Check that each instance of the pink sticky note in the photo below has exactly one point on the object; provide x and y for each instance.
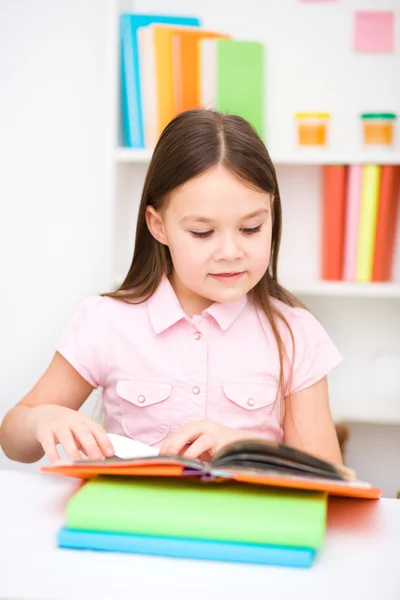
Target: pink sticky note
(374, 31)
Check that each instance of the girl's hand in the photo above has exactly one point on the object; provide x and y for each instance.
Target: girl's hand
(201, 439)
(53, 424)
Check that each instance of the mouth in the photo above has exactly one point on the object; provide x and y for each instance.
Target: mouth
(227, 277)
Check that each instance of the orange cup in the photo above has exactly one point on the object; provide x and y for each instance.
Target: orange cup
(312, 129)
(378, 129)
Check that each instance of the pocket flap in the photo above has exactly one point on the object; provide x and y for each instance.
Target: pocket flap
(251, 394)
(143, 392)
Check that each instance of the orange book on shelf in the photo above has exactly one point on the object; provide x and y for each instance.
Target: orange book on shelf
(387, 218)
(253, 461)
(334, 183)
(186, 66)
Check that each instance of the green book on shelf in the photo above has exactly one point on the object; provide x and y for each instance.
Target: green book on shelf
(216, 511)
(232, 79)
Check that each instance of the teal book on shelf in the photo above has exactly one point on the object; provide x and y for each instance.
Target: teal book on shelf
(232, 79)
(131, 105)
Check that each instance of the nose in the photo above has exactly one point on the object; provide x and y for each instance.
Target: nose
(229, 249)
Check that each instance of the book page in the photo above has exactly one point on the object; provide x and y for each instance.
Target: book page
(125, 447)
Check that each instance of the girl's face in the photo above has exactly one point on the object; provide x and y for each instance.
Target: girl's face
(218, 231)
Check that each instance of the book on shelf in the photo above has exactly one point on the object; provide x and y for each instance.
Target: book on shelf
(334, 185)
(386, 223)
(252, 461)
(359, 222)
(368, 222)
(157, 83)
(186, 66)
(352, 210)
(131, 100)
(232, 79)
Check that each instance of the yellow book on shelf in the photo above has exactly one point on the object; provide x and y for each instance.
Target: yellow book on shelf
(368, 222)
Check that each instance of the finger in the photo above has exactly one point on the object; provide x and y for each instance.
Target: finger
(176, 442)
(50, 448)
(199, 446)
(102, 439)
(86, 439)
(67, 441)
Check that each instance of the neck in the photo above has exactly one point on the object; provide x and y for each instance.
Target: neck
(191, 303)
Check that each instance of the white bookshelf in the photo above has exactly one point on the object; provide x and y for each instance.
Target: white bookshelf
(339, 289)
(362, 319)
(301, 157)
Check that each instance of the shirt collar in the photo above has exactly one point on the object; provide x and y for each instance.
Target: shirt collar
(226, 313)
(165, 310)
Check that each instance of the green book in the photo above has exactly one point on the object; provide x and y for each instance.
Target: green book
(214, 511)
(232, 79)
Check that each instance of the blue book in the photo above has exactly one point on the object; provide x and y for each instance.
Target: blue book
(186, 548)
(130, 71)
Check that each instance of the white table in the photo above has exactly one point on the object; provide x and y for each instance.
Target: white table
(360, 558)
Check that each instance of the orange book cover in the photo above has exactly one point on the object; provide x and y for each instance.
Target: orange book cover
(186, 66)
(386, 226)
(257, 462)
(334, 182)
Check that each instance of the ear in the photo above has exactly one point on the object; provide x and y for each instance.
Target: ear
(155, 224)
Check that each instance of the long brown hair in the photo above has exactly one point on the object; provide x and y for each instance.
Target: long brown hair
(193, 142)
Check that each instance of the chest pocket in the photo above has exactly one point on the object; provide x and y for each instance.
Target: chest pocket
(249, 404)
(145, 407)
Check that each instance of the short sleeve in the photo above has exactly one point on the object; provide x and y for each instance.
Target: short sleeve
(82, 342)
(315, 355)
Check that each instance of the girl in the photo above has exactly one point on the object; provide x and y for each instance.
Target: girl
(201, 345)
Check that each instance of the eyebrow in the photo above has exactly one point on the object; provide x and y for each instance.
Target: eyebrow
(199, 219)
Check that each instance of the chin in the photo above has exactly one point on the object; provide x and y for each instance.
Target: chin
(229, 294)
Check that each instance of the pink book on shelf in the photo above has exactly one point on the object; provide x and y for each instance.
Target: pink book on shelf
(353, 197)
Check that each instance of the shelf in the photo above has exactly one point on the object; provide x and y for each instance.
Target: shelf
(346, 290)
(133, 155)
(335, 289)
(307, 157)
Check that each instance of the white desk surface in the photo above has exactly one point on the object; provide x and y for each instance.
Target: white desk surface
(360, 558)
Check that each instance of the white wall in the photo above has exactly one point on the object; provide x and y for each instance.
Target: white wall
(55, 176)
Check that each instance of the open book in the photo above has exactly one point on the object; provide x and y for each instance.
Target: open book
(253, 461)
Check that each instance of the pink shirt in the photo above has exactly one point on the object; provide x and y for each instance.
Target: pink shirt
(160, 369)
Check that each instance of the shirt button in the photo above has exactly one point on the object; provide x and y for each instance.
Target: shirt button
(251, 402)
(141, 399)
(196, 390)
(197, 335)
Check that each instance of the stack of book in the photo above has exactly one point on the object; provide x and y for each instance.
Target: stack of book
(170, 64)
(178, 518)
(359, 222)
(255, 502)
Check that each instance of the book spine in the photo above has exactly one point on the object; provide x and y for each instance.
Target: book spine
(352, 218)
(368, 222)
(127, 81)
(386, 225)
(333, 214)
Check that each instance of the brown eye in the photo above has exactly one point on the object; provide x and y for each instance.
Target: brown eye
(250, 230)
(201, 234)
